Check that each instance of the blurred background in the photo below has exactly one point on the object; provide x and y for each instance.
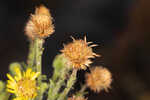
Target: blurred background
(120, 27)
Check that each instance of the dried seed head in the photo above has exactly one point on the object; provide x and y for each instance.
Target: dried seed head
(78, 53)
(40, 24)
(100, 78)
(77, 98)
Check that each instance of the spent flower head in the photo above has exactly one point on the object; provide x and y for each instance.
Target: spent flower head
(40, 24)
(79, 53)
(100, 78)
(23, 85)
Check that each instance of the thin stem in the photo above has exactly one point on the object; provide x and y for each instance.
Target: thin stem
(39, 52)
(7, 97)
(59, 84)
(38, 57)
(31, 56)
(70, 83)
(83, 88)
(50, 91)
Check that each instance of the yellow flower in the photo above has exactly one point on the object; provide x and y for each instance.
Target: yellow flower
(23, 85)
(40, 24)
(79, 53)
(100, 78)
(77, 98)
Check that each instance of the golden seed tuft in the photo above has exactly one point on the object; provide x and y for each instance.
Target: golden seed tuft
(79, 53)
(40, 24)
(100, 78)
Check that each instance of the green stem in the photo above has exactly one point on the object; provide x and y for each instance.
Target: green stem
(83, 88)
(82, 91)
(59, 84)
(31, 56)
(39, 52)
(50, 91)
(5, 96)
(70, 83)
(38, 57)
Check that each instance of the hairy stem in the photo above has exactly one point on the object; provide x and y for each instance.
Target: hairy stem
(83, 88)
(59, 84)
(31, 56)
(38, 57)
(70, 83)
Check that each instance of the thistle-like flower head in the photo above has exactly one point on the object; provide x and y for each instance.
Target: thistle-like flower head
(79, 53)
(40, 24)
(23, 85)
(100, 78)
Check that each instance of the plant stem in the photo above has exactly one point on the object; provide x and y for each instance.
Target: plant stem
(70, 83)
(83, 88)
(39, 52)
(31, 56)
(50, 91)
(38, 57)
(59, 84)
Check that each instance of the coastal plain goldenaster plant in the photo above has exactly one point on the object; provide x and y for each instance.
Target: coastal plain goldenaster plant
(26, 80)
(23, 84)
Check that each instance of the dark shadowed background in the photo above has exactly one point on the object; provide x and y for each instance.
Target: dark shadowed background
(120, 27)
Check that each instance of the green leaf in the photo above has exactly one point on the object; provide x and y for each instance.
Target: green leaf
(14, 65)
(43, 87)
(2, 86)
(59, 62)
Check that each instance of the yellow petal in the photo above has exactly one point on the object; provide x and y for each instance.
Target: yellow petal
(18, 73)
(18, 98)
(9, 86)
(35, 76)
(28, 72)
(11, 91)
(10, 77)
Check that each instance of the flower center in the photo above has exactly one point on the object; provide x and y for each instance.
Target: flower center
(27, 88)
